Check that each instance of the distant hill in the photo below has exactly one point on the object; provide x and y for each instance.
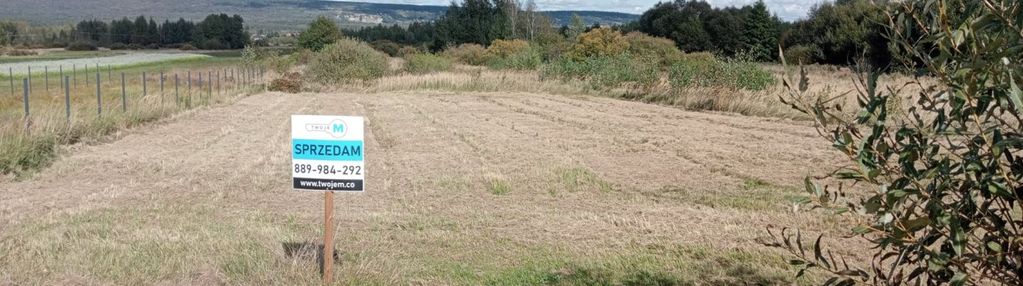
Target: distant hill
(268, 15)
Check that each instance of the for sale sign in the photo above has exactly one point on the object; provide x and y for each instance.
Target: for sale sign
(327, 153)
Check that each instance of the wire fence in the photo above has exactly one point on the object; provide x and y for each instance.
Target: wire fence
(58, 97)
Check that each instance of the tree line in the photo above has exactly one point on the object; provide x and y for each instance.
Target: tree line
(840, 33)
(216, 31)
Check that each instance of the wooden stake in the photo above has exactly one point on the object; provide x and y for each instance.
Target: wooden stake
(328, 237)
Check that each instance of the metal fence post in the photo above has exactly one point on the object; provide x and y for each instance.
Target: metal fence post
(86, 75)
(144, 90)
(209, 85)
(46, 78)
(161, 86)
(99, 98)
(67, 101)
(29, 78)
(124, 95)
(74, 75)
(62, 84)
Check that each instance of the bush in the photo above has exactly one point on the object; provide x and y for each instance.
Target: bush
(599, 42)
(470, 54)
(187, 47)
(941, 185)
(387, 47)
(505, 48)
(348, 60)
(605, 71)
(699, 56)
(426, 63)
(153, 46)
(134, 47)
(118, 46)
(525, 59)
(82, 46)
(730, 74)
(660, 50)
(552, 46)
(288, 82)
(408, 51)
(20, 53)
(800, 54)
(304, 56)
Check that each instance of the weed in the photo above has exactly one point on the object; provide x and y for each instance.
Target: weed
(578, 179)
(498, 187)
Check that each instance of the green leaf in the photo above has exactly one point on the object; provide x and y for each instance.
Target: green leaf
(994, 246)
(959, 278)
(1015, 94)
(861, 229)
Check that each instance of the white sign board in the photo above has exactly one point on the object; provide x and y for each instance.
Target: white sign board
(327, 153)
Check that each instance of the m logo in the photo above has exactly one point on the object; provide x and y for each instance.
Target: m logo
(336, 128)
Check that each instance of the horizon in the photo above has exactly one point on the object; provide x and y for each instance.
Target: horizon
(787, 10)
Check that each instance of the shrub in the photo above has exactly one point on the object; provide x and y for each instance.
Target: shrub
(942, 185)
(729, 74)
(605, 71)
(387, 47)
(470, 54)
(699, 56)
(599, 42)
(321, 33)
(118, 46)
(525, 59)
(426, 63)
(303, 56)
(552, 46)
(20, 53)
(288, 82)
(187, 47)
(134, 47)
(800, 54)
(348, 60)
(153, 46)
(82, 46)
(660, 50)
(408, 51)
(505, 48)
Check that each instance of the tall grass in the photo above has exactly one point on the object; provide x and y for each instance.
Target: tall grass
(426, 63)
(604, 72)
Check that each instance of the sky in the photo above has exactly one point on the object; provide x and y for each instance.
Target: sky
(788, 10)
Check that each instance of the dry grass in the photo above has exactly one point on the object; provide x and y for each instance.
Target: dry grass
(30, 142)
(470, 188)
(825, 82)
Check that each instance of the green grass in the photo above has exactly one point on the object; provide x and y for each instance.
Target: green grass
(581, 179)
(498, 187)
(58, 55)
(752, 195)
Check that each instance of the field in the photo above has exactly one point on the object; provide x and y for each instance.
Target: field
(464, 187)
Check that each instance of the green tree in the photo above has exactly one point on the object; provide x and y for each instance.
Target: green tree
(220, 31)
(8, 33)
(321, 32)
(575, 28)
(760, 33)
(945, 175)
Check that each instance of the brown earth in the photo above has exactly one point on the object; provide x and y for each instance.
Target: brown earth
(462, 188)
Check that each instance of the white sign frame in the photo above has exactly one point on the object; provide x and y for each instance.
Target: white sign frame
(328, 153)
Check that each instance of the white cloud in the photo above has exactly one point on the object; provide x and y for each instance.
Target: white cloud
(789, 10)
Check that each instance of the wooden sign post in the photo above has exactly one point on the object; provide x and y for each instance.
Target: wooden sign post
(328, 237)
(327, 156)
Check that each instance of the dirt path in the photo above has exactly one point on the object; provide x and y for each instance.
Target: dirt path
(589, 179)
